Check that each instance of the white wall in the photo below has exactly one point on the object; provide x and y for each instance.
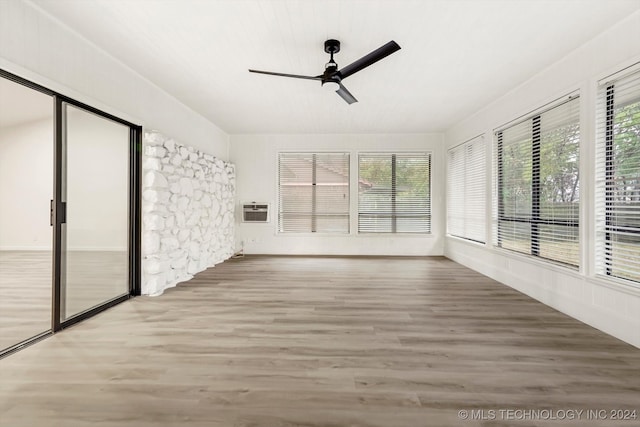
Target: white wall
(39, 48)
(26, 185)
(613, 308)
(256, 160)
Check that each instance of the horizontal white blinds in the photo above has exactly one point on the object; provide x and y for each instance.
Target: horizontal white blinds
(618, 178)
(538, 184)
(313, 193)
(466, 190)
(394, 193)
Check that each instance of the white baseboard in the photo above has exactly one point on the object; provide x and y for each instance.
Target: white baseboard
(25, 248)
(97, 249)
(78, 248)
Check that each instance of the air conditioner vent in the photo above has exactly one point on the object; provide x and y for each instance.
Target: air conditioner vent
(255, 212)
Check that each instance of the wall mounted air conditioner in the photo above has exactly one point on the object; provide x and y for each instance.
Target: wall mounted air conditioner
(255, 212)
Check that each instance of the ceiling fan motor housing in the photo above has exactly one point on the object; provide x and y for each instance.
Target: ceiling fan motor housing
(330, 75)
(332, 46)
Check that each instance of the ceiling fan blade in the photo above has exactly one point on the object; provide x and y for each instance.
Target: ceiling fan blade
(346, 95)
(369, 59)
(295, 76)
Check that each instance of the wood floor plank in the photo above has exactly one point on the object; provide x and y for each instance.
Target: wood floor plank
(322, 342)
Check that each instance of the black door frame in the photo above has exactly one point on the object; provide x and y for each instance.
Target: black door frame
(58, 210)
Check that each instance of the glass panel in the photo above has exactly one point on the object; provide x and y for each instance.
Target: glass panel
(623, 256)
(516, 172)
(380, 223)
(26, 188)
(394, 193)
(95, 258)
(375, 193)
(622, 251)
(515, 236)
(332, 223)
(332, 199)
(559, 243)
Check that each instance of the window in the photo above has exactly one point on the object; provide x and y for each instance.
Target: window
(466, 190)
(313, 193)
(538, 184)
(394, 193)
(618, 178)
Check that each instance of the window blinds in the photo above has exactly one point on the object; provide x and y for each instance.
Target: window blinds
(618, 178)
(313, 193)
(394, 193)
(466, 190)
(538, 184)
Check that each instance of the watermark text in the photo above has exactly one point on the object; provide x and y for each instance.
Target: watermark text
(516, 414)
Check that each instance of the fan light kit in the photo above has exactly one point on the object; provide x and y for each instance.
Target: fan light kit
(332, 78)
(333, 86)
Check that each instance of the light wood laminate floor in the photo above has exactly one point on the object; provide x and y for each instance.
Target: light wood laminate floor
(25, 295)
(323, 342)
(92, 277)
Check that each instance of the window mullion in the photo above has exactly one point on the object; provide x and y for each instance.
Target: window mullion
(314, 221)
(393, 194)
(500, 189)
(535, 187)
(609, 172)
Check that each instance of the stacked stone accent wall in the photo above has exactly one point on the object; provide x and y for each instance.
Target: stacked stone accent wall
(188, 212)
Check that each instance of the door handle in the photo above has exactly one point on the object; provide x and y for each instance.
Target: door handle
(62, 212)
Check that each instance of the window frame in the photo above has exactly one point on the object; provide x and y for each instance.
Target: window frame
(536, 219)
(394, 218)
(463, 147)
(314, 218)
(606, 208)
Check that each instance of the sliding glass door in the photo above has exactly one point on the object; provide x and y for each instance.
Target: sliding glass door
(26, 190)
(95, 193)
(69, 211)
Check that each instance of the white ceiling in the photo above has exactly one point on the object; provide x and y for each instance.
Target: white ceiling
(457, 55)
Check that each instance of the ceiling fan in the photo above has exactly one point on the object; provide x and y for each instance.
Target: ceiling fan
(332, 77)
